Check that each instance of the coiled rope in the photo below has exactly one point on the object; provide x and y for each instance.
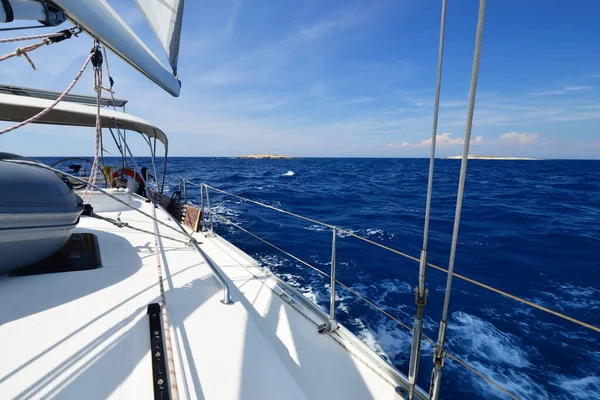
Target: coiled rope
(372, 304)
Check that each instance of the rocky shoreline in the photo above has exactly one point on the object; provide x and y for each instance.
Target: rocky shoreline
(265, 156)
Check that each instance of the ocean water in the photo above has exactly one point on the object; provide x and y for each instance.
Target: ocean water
(531, 228)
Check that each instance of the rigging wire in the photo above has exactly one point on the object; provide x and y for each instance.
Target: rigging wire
(439, 353)
(421, 292)
(120, 224)
(19, 28)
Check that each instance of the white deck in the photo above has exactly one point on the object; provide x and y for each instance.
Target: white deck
(85, 335)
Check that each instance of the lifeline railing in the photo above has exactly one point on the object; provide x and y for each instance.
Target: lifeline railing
(332, 324)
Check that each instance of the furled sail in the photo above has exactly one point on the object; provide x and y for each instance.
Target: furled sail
(165, 16)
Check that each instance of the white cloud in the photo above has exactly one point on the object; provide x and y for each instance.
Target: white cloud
(443, 140)
(360, 100)
(345, 19)
(576, 88)
(519, 138)
(564, 90)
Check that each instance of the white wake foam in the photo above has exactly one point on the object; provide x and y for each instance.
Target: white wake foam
(498, 355)
(587, 388)
(289, 173)
(484, 339)
(388, 340)
(316, 228)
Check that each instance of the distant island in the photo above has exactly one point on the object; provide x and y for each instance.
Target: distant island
(266, 155)
(473, 157)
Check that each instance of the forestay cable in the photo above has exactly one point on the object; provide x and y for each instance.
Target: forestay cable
(421, 292)
(438, 356)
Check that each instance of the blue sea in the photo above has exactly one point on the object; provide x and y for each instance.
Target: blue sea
(530, 228)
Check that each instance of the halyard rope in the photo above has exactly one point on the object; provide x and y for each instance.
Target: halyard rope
(165, 315)
(375, 306)
(22, 51)
(47, 40)
(392, 250)
(97, 62)
(23, 38)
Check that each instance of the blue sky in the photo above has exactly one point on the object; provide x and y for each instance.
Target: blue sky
(348, 78)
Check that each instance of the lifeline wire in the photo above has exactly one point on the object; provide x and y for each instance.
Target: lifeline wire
(372, 304)
(408, 256)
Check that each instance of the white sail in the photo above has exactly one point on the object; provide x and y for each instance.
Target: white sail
(165, 16)
(100, 20)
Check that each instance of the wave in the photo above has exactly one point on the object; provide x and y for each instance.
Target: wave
(289, 173)
(571, 296)
(316, 228)
(483, 338)
(587, 388)
(498, 355)
(387, 339)
(374, 232)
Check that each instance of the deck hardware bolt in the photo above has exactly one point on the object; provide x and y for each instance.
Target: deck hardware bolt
(160, 381)
(157, 354)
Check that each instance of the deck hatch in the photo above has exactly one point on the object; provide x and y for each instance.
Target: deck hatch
(80, 253)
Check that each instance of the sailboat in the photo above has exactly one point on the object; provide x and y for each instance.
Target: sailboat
(144, 300)
(133, 294)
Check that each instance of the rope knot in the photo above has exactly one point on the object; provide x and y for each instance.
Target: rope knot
(19, 51)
